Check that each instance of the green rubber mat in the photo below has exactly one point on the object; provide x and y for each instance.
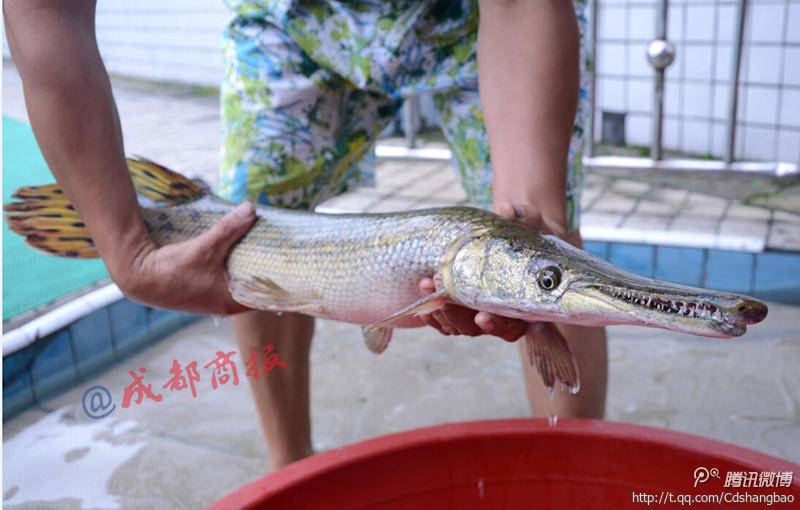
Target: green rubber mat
(32, 279)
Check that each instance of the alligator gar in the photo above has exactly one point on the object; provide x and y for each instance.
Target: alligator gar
(366, 268)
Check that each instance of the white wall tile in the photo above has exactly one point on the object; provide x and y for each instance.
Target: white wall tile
(675, 22)
(745, 62)
(719, 139)
(742, 103)
(698, 62)
(789, 146)
(791, 65)
(598, 126)
(790, 107)
(637, 61)
(671, 133)
(611, 59)
(726, 21)
(763, 64)
(793, 33)
(761, 105)
(611, 22)
(672, 97)
(177, 42)
(638, 130)
(760, 143)
(723, 62)
(740, 149)
(612, 95)
(699, 23)
(764, 22)
(696, 99)
(695, 137)
(640, 96)
(721, 99)
(642, 23)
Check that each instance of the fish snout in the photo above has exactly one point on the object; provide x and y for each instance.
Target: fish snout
(750, 311)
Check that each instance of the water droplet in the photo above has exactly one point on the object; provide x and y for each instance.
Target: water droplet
(552, 418)
(279, 314)
(480, 487)
(216, 320)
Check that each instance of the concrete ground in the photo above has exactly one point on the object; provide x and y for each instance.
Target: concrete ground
(185, 452)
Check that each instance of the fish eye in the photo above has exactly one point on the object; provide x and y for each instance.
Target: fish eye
(549, 278)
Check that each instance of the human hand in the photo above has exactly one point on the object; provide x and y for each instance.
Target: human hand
(190, 276)
(459, 320)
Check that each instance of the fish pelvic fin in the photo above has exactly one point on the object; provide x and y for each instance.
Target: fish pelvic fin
(552, 356)
(425, 305)
(163, 185)
(49, 223)
(377, 340)
(265, 294)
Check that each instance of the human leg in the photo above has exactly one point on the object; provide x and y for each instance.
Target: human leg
(295, 134)
(282, 397)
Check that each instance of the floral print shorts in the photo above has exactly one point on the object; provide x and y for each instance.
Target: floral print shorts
(309, 85)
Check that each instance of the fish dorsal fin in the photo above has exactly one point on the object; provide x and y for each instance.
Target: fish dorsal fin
(552, 356)
(377, 340)
(49, 222)
(265, 294)
(425, 305)
(161, 184)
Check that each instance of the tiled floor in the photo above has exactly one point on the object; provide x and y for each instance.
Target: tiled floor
(614, 208)
(185, 452)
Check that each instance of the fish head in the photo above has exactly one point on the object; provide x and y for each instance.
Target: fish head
(535, 277)
(504, 270)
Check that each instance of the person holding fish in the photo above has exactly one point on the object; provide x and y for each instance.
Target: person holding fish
(308, 86)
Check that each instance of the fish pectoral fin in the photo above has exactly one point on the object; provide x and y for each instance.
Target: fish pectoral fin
(425, 305)
(377, 340)
(265, 294)
(552, 356)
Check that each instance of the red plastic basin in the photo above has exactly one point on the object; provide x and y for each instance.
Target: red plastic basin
(525, 464)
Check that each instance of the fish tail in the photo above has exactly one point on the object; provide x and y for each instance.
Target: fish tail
(50, 224)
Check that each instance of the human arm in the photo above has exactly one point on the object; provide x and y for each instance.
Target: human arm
(528, 77)
(528, 80)
(73, 115)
